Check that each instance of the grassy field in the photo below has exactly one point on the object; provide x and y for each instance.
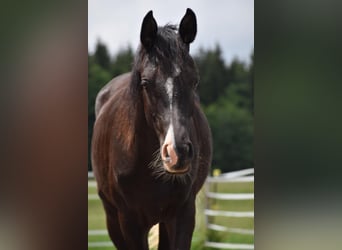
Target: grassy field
(96, 217)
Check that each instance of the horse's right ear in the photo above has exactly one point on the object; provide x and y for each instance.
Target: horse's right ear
(148, 31)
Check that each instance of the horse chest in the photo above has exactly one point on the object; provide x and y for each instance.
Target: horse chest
(153, 196)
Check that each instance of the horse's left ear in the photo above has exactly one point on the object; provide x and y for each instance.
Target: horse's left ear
(188, 27)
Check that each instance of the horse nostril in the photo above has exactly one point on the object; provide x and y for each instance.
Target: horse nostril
(186, 150)
(190, 150)
(165, 154)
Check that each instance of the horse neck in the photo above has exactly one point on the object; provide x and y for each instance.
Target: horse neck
(135, 131)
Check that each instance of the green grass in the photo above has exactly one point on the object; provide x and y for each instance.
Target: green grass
(96, 217)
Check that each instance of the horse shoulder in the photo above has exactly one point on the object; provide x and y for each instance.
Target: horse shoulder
(113, 143)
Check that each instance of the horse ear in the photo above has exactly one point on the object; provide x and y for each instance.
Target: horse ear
(149, 29)
(188, 27)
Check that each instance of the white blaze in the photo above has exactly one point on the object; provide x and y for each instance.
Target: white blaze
(170, 135)
(177, 71)
(168, 153)
(169, 89)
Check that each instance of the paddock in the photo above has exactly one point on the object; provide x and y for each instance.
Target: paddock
(224, 218)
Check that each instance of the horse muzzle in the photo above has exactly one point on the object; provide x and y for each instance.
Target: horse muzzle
(176, 160)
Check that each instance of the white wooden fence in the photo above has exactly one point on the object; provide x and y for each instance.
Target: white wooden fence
(246, 175)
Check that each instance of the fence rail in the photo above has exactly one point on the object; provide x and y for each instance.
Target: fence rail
(225, 196)
(228, 213)
(228, 245)
(221, 179)
(231, 230)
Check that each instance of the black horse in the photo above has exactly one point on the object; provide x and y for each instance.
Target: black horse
(151, 148)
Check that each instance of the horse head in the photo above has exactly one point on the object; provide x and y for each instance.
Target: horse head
(166, 78)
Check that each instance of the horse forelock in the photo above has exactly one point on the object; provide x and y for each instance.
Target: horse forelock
(167, 51)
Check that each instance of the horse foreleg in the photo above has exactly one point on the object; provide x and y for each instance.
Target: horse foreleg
(135, 235)
(113, 226)
(164, 238)
(176, 233)
(185, 224)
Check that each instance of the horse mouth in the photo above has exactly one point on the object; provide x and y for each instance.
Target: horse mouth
(176, 169)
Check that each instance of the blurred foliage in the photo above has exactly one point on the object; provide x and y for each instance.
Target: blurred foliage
(232, 131)
(226, 93)
(101, 55)
(213, 74)
(122, 62)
